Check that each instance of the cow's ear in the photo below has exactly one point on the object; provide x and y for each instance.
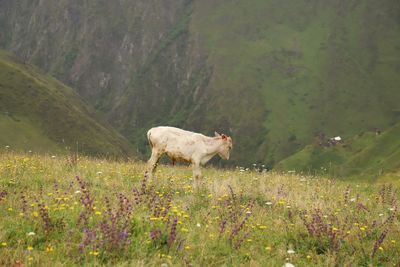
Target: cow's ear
(217, 134)
(224, 136)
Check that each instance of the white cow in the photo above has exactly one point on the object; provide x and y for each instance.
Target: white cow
(181, 145)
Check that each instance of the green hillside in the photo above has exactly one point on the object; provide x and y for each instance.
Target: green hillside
(39, 113)
(285, 71)
(272, 74)
(365, 156)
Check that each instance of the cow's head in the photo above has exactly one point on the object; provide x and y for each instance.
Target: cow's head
(226, 146)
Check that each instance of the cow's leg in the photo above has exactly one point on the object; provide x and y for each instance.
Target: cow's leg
(152, 162)
(196, 173)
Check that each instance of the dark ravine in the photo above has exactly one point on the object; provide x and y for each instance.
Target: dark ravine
(272, 74)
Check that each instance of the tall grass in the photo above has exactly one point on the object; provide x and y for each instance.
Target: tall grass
(89, 211)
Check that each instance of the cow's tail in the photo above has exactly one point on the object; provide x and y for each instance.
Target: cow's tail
(149, 138)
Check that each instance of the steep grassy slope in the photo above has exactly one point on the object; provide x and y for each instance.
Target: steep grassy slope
(273, 74)
(39, 113)
(287, 70)
(132, 60)
(364, 156)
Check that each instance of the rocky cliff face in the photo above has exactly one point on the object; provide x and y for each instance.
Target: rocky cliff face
(135, 61)
(273, 74)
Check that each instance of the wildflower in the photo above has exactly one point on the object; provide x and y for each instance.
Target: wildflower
(53, 157)
(393, 241)
(187, 247)
(49, 249)
(98, 213)
(268, 203)
(30, 259)
(290, 251)
(288, 264)
(4, 244)
(268, 248)
(30, 248)
(380, 214)
(308, 257)
(262, 227)
(31, 233)
(35, 214)
(10, 209)
(362, 228)
(198, 225)
(77, 192)
(381, 248)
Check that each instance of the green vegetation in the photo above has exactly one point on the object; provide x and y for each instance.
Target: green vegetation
(366, 156)
(40, 114)
(59, 211)
(272, 74)
(20, 133)
(284, 69)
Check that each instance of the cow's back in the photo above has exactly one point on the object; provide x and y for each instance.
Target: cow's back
(174, 140)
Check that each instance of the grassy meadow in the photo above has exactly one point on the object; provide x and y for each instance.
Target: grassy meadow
(69, 210)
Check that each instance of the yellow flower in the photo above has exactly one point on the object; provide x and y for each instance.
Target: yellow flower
(35, 214)
(4, 244)
(262, 227)
(98, 213)
(10, 209)
(268, 248)
(380, 248)
(308, 257)
(187, 247)
(30, 248)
